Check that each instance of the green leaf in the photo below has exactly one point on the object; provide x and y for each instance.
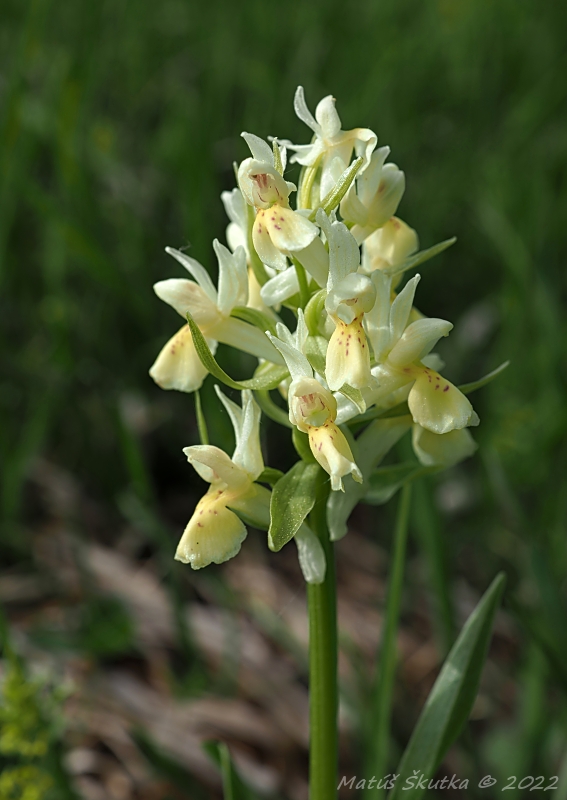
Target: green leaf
(254, 317)
(270, 475)
(304, 293)
(271, 410)
(315, 350)
(386, 481)
(313, 311)
(467, 388)
(354, 395)
(277, 157)
(421, 257)
(201, 421)
(450, 701)
(270, 376)
(293, 498)
(334, 197)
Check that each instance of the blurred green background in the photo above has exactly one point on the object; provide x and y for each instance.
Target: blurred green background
(119, 124)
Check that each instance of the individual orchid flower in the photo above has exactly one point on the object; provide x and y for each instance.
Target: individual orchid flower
(331, 147)
(435, 403)
(313, 408)
(178, 365)
(374, 196)
(278, 231)
(389, 246)
(236, 208)
(215, 532)
(349, 295)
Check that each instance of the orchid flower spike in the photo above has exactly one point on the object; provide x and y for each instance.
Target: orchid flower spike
(349, 295)
(178, 365)
(278, 231)
(313, 409)
(435, 403)
(215, 532)
(374, 197)
(331, 147)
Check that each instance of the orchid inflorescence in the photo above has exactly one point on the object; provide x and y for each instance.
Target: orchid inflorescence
(357, 371)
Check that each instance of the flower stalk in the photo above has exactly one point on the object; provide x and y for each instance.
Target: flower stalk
(323, 687)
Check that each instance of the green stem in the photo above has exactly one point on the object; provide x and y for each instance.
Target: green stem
(378, 751)
(323, 694)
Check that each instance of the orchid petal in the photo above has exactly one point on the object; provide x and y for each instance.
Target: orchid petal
(401, 308)
(348, 358)
(301, 110)
(281, 287)
(344, 255)
(437, 405)
(184, 295)
(443, 450)
(288, 230)
(178, 366)
(331, 449)
(327, 117)
(217, 464)
(246, 424)
(417, 340)
(297, 363)
(368, 182)
(233, 278)
(214, 534)
(261, 150)
(266, 249)
(196, 270)
(315, 259)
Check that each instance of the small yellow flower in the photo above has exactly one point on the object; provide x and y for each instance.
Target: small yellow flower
(349, 295)
(435, 403)
(178, 366)
(278, 231)
(331, 147)
(313, 409)
(215, 532)
(331, 449)
(374, 197)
